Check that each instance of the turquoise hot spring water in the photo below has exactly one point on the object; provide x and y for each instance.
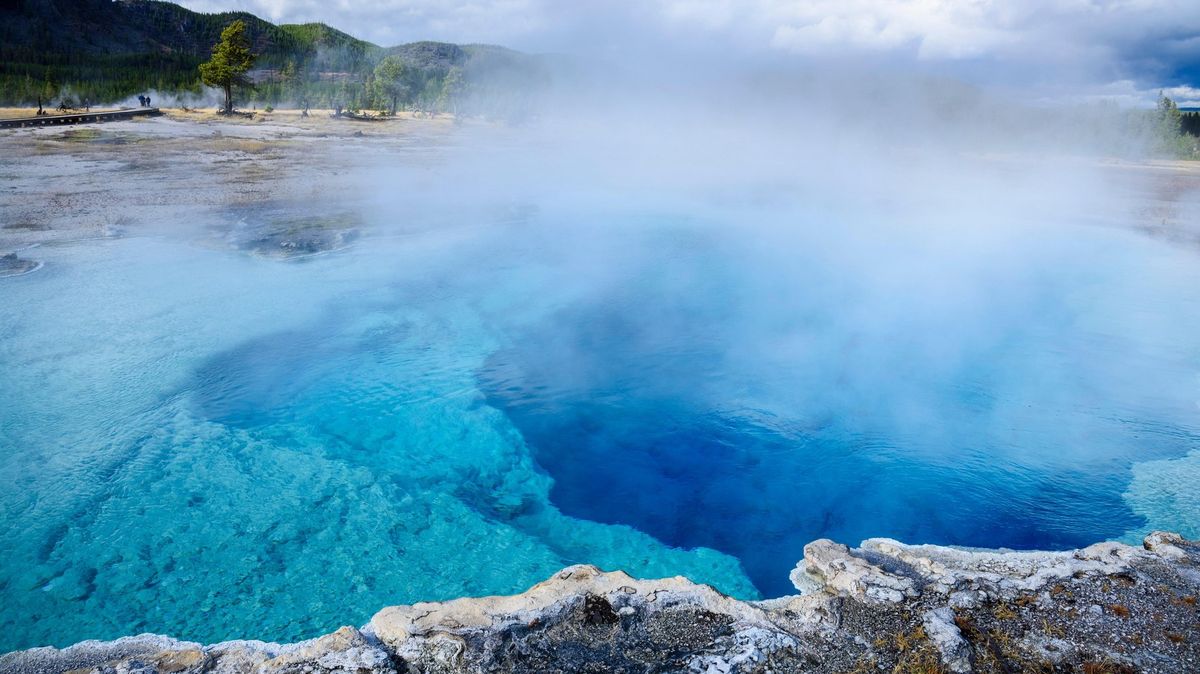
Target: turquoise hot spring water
(210, 444)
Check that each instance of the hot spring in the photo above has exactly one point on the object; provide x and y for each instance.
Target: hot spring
(670, 379)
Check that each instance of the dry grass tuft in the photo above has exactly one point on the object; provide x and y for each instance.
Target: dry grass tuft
(1053, 630)
(906, 641)
(923, 661)
(865, 665)
(1003, 612)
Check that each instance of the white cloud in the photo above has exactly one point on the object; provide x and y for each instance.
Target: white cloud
(1125, 93)
(1185, 97)
(1101, 40)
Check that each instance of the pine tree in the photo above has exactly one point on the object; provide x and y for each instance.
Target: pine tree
(392, 80)
(230, 62)
(1168, 115)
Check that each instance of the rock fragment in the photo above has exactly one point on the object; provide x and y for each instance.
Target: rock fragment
(944, 633)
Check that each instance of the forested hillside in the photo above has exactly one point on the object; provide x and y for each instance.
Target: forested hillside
(109, 50)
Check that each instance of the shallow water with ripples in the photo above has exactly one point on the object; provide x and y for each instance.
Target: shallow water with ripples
(208, 444)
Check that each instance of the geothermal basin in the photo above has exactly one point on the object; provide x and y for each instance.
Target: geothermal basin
(266, 380)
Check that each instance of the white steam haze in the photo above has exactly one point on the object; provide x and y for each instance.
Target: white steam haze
(930, 190)
(922, 198)
(910, 269)
(894, 228)
(1092, 47)
(918, 221)
(936, 180)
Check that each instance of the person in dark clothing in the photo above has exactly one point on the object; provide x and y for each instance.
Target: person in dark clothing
(141, 100)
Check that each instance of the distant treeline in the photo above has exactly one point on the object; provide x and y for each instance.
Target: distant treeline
(424, 75)
(104, 52)
(1189, 123)
(99, 79)
(1175, 132)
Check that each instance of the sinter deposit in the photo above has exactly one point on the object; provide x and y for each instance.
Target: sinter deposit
(885, 606)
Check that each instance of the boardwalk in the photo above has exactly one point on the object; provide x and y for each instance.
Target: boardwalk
(79, 118)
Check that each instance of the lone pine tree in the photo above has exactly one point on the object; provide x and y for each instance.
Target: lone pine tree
(231, 59)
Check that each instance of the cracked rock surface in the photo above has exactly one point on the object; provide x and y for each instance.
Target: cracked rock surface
(884, 606)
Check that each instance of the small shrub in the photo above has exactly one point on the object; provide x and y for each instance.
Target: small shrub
(269, 109)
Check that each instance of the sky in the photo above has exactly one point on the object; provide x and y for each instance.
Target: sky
(1126, 50)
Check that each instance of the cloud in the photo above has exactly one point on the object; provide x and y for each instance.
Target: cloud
(1125, 93)
(1096, 38)
(1187, 97)
(1154, 42)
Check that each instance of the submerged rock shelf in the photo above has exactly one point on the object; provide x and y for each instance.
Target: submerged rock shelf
(885, 606)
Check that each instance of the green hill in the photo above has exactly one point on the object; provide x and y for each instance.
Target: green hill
(109, 50)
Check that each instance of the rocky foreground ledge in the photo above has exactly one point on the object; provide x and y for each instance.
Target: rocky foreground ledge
(885, 606)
